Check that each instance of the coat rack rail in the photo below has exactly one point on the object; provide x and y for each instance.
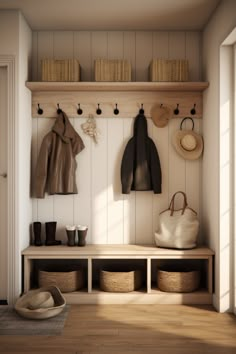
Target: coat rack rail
(104, 104)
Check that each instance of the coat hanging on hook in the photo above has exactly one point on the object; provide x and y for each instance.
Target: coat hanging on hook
(56, 165)
(140, 167)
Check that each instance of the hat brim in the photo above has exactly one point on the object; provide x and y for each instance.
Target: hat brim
(187, 155)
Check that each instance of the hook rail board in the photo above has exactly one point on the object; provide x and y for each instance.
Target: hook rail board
(129, 98)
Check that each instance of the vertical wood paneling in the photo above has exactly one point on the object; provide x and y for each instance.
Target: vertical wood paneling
(83, 200)
(98, 47)
(63, 47)
(193, 175)
(82, 52)
(160, 201)
(193, 55)
(144, 55)
(177, 166)
(63, 42)
(99, 186)
(46, 205)
(177, 45)
(129, 199)
(129, 51)
(62, 215)
(138, 47)
(115, 40)
(45, 48)
(160, 45)
(144, 217)
(34, 58)
(34, 155)
(114, 197)
(144, 209)
(111, 216)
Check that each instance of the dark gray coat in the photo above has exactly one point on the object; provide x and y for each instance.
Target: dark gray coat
(140, 167)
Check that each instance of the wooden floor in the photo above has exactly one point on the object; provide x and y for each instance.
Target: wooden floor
(128, 329)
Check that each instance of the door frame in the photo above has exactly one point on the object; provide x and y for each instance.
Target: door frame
(13, 253)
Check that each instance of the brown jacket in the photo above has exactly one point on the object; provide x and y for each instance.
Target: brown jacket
(56, 165)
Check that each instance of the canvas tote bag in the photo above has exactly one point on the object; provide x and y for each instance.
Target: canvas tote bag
(177, 228)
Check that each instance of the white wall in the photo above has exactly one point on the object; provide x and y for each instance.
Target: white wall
(25, 132)
(112, 217)
(9, 26)
(220, 25)
(15, 39)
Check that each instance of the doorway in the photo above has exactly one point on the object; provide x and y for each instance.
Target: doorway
(3, 187)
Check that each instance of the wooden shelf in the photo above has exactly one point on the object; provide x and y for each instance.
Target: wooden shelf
(117, 86)
(134, 253)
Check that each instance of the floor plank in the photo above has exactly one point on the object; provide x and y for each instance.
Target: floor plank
(129, 329)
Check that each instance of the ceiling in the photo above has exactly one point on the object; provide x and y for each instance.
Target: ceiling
(114, 14)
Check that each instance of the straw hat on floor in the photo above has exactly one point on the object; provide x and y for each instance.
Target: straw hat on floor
(41, 303)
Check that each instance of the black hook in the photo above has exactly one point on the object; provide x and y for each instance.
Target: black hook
(58, 109)
(40, 110)
(79, 110)
(141, 111)
(193, 110)
(116, 110)
(176, 110)
(99, 111)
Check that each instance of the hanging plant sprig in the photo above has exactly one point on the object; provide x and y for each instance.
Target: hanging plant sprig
(90, 128)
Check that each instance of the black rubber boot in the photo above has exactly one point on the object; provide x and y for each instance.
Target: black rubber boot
(37, 233)
(50, 228)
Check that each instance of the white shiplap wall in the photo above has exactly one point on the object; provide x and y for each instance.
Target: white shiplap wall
(112, 217)
(139, 47)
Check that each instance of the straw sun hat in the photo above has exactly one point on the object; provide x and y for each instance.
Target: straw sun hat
(160, 115)
(40, 303)
(188, 143)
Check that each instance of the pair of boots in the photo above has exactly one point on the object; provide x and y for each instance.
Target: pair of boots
(50, 228)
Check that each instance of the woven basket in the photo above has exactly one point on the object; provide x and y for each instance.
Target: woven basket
(120, 282)
(112, 70)
(66, 281)
(178, 281)
(60, 70)
(169, 70)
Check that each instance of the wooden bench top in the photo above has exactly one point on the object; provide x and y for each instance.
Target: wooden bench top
(114, 250)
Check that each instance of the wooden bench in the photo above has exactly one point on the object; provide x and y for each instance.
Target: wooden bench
(148, 257)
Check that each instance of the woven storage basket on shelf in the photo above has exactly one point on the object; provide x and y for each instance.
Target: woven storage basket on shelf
(169, 70)
(120, 282)
(60, 70)
(66, 281)
(183, 281)
(112, 70)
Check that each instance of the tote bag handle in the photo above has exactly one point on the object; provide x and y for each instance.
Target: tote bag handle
(172, 203)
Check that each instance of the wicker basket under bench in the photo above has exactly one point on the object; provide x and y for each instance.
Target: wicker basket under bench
(149, 256)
